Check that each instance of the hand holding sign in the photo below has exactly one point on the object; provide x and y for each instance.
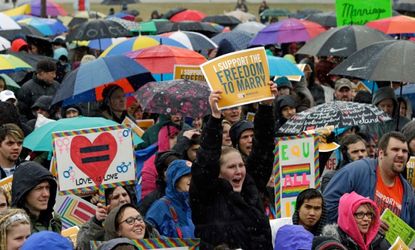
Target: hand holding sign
(214, 98)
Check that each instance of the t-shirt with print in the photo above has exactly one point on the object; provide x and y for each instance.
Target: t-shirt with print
(389, 197)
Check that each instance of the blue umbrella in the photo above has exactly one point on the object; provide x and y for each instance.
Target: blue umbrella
(239, 39)
(279, 66)
(79, 85)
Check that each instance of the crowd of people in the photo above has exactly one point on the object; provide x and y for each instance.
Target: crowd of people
(211, 177)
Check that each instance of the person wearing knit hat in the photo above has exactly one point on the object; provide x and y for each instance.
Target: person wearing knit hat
(242, 134)
(326, 243)
(284, 85)
(19, 45)
(47, 240)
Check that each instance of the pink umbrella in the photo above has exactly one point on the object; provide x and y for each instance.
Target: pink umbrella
(52, 8)
(188, 15)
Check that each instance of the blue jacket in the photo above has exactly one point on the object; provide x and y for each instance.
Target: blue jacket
(171, 215)
(360, 176)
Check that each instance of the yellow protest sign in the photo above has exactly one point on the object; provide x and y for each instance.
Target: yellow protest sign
(71, 234)
(399, 245)
(6, 184)
(410, 171)
(242, 76)
(188, 72)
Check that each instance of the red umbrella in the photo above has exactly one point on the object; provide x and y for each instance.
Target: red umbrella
(162, 58)
(188, 15)
(394, 25)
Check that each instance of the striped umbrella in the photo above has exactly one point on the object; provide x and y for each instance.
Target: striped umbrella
(9, 64)
(192, 40)
(7, 23)
(46, 26)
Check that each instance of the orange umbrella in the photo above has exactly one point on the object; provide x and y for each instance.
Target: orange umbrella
(162, 58)
(394, 25)
(188, 15)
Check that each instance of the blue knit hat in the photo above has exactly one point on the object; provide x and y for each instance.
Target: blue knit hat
(282, 82)
(47, 240)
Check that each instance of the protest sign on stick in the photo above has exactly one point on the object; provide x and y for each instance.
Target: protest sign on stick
(90, 159)
(242, 76)
(296, 167)
(73, 210)
(159, 243)
(397, 227)
(360, 12)
(188, 72)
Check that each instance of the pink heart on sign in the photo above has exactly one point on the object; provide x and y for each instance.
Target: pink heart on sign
(94, 159)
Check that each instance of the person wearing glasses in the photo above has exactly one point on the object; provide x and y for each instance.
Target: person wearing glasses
(358, 224)
(125, 221)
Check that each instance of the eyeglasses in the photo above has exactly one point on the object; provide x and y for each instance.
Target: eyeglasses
(361, 215)
(131, 220)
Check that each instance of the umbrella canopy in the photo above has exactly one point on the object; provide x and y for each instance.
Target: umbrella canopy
(201, 27)
(104, 43)
(46, 26)
(382, 61)
(241, 16)
(4, 43)
(238, 39)
(7, 23)
(338, 114)
(173, 12)
(275, 13)
(394, 25)
(10, 83)
(139, 42)
(127, 24)
(31, 59)
(52, 8)
(223, 20)
(23, 30)
(9, 64)
(192, 40)
(41, 138)
(97, 29)
(279, 66)
(251, 27)
(81, 84)
(342, 41)
(326, 19)
(162, 58)
(188, 15)
(287, 31)
(189, 98)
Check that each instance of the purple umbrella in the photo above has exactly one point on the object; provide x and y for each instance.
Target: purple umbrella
(288, 31)
(52, 8)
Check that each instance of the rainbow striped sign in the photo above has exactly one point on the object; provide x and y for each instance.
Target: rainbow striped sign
(296, 168)
(73, 210)
(158, 243)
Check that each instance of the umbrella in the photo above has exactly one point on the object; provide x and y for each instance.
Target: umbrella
(188, 15)
(279, 66)
(382, 61)
(162, 58)
(31, 59)
(7, 23)
(41, 138)
(238, 39)
(10, 83)
(4, 43)
(305, 12)
(23, 30)
(242, 16)
(52, 8)
(139, 42)
(173, 12)
(77, 21)
(104, 43)
(9, 64)
(394, 25)
(326, 19)
(201, 27)
(288, 31)
(223, 20)
(342, 41)
(189, 98)
(96, 29)
(339, 114)
(250, 27)
(275, 13)
(81, 84)
(46, 26)
(129, 25)
(192, 40)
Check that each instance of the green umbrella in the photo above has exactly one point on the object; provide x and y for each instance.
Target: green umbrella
(147, 28)
(41, 138)
(275, 13)
(10, 83)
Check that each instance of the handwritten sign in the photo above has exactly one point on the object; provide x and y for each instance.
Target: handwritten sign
(90, 158)
(242, 77)
(189, 72)
(159, 243)
(397, 227)
(360, 12)
(73, 210)
(295, 169)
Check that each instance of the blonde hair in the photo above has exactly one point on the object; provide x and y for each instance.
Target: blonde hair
(8, 219)
(226, 150)
(6, 195)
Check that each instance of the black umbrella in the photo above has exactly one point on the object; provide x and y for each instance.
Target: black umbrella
(238, 39)
(342, 41)
(26, 30)
(383, 61)
(173, 12)
(97, 29)
(201, 27)
(327, 19)
(338, 114)
(304, 13)
(77, 21)
(223, 20)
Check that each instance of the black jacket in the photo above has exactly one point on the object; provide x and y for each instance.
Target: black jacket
(220, 214)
